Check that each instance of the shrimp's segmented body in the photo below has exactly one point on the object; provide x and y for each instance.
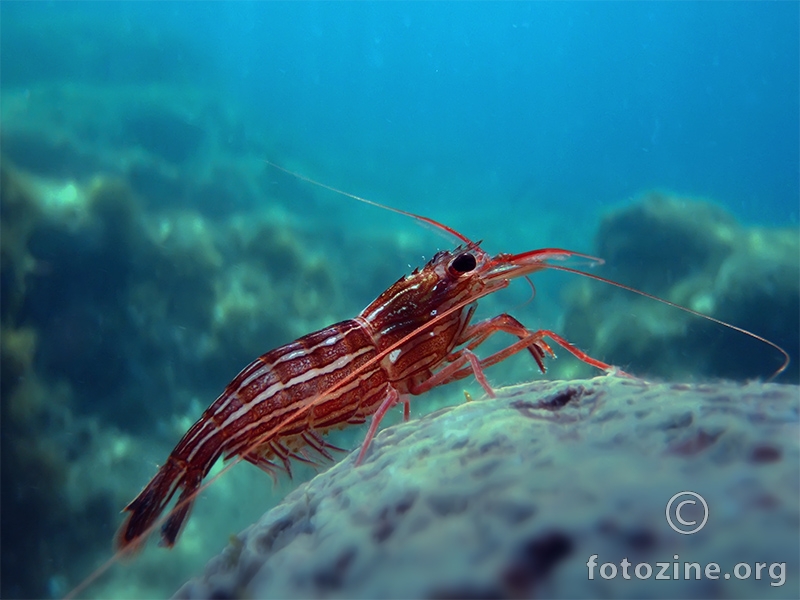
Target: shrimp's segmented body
(415, 336)
(265, 393)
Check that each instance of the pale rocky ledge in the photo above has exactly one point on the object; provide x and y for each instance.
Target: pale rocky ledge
(508, 498)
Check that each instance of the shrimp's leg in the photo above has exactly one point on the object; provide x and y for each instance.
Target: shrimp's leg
(479, 332)
(476, 334)
(391, 398)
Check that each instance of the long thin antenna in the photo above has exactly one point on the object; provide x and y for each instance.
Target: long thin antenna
(786, 358)
(427, 220)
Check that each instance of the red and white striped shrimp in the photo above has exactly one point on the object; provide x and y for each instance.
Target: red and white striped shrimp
(415, 336)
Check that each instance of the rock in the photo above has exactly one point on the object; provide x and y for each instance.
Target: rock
(511, 497)
(119, 324)
(693, 253)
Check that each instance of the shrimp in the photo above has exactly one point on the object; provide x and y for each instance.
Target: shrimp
(415, 336)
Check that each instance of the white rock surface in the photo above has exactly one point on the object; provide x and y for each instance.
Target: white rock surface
(508, 498)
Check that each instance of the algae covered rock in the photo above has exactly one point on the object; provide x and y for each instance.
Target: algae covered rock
(117, 322)
(695, 254)
(512, 497)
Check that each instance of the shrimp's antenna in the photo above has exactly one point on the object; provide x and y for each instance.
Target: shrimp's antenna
(426, 220)
(786, 358)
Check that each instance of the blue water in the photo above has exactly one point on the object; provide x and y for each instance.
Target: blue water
(578, 103)
(537, 106)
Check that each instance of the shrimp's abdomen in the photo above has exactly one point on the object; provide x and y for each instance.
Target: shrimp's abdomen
(254, 417)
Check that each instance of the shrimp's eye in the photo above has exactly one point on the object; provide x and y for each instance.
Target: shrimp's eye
(463, 263)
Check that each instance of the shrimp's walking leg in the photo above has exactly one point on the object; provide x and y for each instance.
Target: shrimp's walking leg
(458, 368)
(478, 333)
(391, 397)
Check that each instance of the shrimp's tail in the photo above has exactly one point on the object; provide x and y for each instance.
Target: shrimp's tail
(148, 506)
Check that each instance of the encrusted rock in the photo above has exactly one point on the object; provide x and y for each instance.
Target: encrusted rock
(510, 497)
(695, 254)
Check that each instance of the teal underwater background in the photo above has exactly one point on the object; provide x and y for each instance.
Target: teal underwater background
(149, 252)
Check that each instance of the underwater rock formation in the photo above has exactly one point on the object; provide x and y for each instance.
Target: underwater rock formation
(146, 255)
(113, 316)
(509, 498)
(695, 254)
(174, 145)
